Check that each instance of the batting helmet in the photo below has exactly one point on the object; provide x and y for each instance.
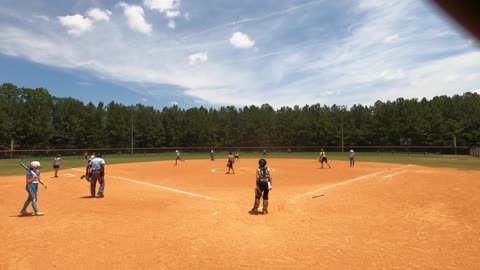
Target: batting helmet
(262, 162)
(35, 164)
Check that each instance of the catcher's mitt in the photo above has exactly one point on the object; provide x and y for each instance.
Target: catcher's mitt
(86, 176)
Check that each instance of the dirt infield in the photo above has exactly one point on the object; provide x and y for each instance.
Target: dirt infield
(194, 216)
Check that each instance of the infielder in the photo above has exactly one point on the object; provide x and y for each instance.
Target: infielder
(352, 158)
(56, 164)
(323, 158)
(230, 162)
(177, 158)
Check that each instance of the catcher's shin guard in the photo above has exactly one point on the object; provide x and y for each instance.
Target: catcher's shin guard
(265, 207)
(255, 206)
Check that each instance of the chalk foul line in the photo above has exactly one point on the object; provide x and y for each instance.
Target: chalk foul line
(156, 186)
(393, 174)
(341, 183)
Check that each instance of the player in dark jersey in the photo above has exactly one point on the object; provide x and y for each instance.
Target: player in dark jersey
(263, 187)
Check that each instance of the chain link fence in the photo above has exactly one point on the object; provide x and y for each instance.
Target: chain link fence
(392, 150)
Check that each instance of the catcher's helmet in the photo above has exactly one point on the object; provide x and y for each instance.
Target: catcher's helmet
(262, 162)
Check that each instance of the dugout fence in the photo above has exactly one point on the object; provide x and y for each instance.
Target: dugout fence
(474, 151)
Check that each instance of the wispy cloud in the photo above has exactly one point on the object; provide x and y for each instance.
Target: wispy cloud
(42, 17)
(198, 58)
(348, 53)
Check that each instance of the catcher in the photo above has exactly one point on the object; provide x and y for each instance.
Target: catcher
(264, 185)
(88, 169)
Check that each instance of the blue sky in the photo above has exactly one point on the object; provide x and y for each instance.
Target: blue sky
(214, 53)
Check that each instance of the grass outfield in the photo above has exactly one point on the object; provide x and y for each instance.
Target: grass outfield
(11, 166)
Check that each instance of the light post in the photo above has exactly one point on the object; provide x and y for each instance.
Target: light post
(11, 148)
(455, 143)
(343, 108)
(133, 110)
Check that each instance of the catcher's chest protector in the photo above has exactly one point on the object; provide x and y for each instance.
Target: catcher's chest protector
(264, 173)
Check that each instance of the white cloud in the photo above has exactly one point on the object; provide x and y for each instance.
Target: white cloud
(172, 13)
(161, 5)
(174, 103)
(167, 7)
(187, 16)
(76, 24)
(380, 54)
(135, 18)
(99, 15)
(198, 58)
(241, 40)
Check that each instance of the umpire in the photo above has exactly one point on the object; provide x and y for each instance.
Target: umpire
(264, 185)
(97, 168)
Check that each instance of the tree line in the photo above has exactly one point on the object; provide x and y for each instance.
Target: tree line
(34, 119)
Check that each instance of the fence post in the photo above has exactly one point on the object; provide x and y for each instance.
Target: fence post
(11, 148)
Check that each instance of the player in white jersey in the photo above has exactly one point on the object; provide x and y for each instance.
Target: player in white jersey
(351, 156)
(323, 158)
(177, 157)
(56, 164)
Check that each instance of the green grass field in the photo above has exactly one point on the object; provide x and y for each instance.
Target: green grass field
(12, 167)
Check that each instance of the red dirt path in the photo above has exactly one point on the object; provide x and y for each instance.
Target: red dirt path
(194, 216)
